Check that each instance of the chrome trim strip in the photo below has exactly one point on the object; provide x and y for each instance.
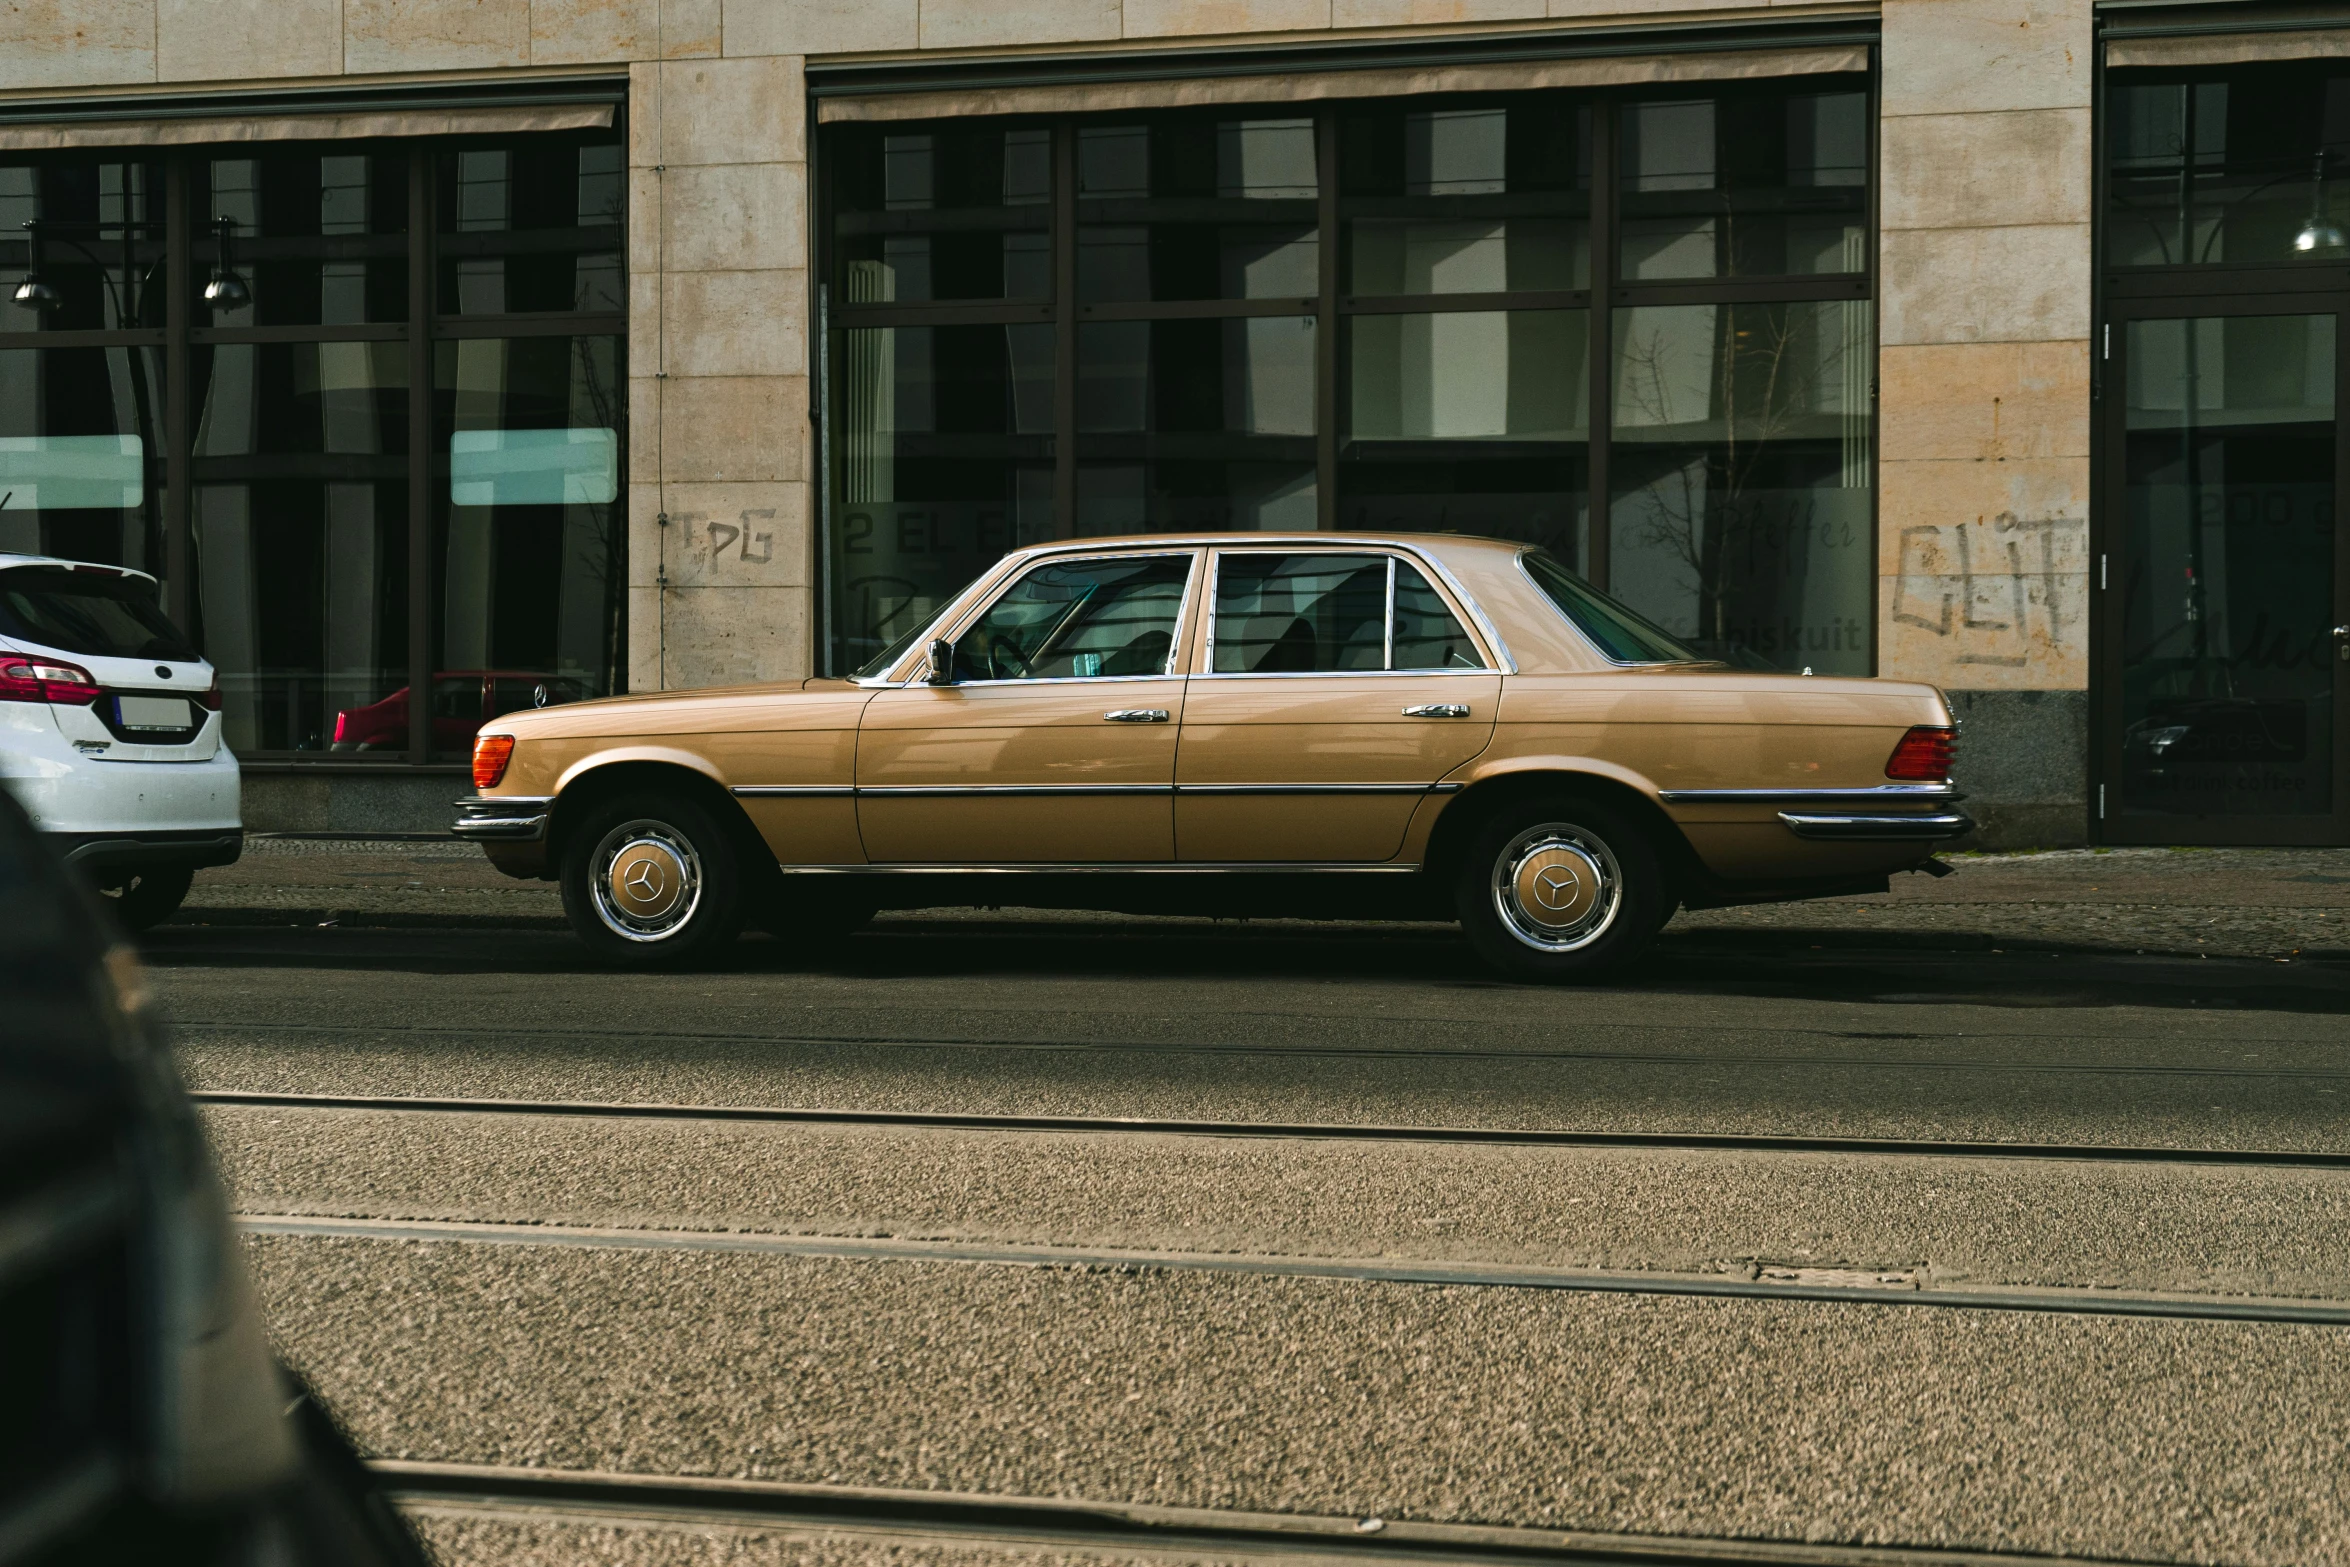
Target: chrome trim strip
(947, 791)
(1362, 788)
(1880, 829)
(1874, 794)
(491, 802)
(793, 791)
(1339, 674)
(1138, 868)
(1065, 791)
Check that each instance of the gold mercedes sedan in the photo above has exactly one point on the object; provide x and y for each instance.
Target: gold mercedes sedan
(1354, 726)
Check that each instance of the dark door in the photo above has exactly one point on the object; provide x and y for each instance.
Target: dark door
(2224, 577)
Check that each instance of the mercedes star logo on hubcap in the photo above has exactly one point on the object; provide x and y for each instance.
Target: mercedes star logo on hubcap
(1557, 886)
(644, 879)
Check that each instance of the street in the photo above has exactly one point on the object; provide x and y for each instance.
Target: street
(2002, 1214)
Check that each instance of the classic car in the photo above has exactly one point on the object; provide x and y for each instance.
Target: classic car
(1410, 726)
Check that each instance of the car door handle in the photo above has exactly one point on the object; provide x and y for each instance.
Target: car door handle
(1136, 715)
(1438, 710)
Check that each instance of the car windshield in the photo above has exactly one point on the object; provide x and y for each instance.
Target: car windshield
(1620, 634)
(97, 614)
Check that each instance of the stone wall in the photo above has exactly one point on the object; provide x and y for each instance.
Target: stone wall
(1983, 400)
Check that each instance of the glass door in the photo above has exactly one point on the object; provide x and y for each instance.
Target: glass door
(2223, 668)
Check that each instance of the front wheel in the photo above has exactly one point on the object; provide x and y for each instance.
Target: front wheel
(652, 881)
(1561, 889)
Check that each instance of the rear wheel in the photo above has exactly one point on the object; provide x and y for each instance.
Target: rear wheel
(145, 899)
(652, 881)
(1561, 889)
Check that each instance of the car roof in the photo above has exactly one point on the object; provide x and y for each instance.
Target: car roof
(7, 561)
(1121, 542)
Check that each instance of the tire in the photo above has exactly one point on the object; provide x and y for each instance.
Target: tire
(147, 898)
(652, 880)
(1602, 902)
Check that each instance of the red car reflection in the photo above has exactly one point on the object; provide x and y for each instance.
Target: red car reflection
(462, 701)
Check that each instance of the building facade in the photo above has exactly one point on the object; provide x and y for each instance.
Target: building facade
(509, 350)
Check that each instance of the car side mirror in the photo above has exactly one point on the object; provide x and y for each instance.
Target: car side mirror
(941, 665)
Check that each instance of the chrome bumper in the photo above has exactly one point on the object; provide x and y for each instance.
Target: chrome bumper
(1844, 827)
(513, 818)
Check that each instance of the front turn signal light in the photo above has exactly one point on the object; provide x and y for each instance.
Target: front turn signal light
(490, 754)
(1923, 755)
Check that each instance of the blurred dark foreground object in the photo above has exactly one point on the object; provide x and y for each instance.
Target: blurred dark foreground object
(142, 1418)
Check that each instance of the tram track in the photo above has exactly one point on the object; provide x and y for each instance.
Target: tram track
(1114, 1530)
(1272, 1050)
(2138, 1154)
(1851, 1286)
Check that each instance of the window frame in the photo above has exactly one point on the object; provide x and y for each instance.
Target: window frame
(1331, 309)
(188, 247)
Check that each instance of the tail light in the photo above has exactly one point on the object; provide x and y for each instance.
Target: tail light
(490, 753)
(211, 701)
(1924, 755)
(45, 680)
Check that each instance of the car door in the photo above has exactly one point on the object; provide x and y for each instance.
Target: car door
(1336, 689)
(1055, 742)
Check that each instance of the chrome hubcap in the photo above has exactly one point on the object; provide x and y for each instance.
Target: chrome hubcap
(1557, 887)
(647, 880)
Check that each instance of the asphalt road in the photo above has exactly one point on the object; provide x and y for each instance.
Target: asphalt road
(1180, 1329)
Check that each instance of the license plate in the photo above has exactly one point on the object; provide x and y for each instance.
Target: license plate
(152, 712)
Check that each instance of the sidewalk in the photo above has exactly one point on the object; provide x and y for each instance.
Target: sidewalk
(2269, 903)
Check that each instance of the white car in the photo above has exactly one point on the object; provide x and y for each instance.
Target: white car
(110, 732)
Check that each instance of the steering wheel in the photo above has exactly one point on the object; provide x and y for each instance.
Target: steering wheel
(1002, 653)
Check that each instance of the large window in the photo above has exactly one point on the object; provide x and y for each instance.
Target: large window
(1635, 330)
(357, 403)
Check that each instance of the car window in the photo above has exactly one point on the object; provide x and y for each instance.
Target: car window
(94, 613)
(1079, 619)
(1619, 633)
(1427, 633)
(1329, 613)
(457, 697)
(1300, 614)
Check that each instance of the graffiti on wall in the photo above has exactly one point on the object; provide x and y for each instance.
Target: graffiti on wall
(1995, 601)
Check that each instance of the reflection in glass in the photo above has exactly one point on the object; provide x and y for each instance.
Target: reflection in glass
(2242, 166)
(2228, 566)
(526, 544)
(955, 213)
(1741, 478)
(98, 228)
(316, 237)
(1745, 185)
(1470, 421)
(944, 461)
(1079, 620)
(531, 226)
(1468, 200)
(1202, 425)
(300, 539)
(1248, 376)
(80, 461)
(1193, 207)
